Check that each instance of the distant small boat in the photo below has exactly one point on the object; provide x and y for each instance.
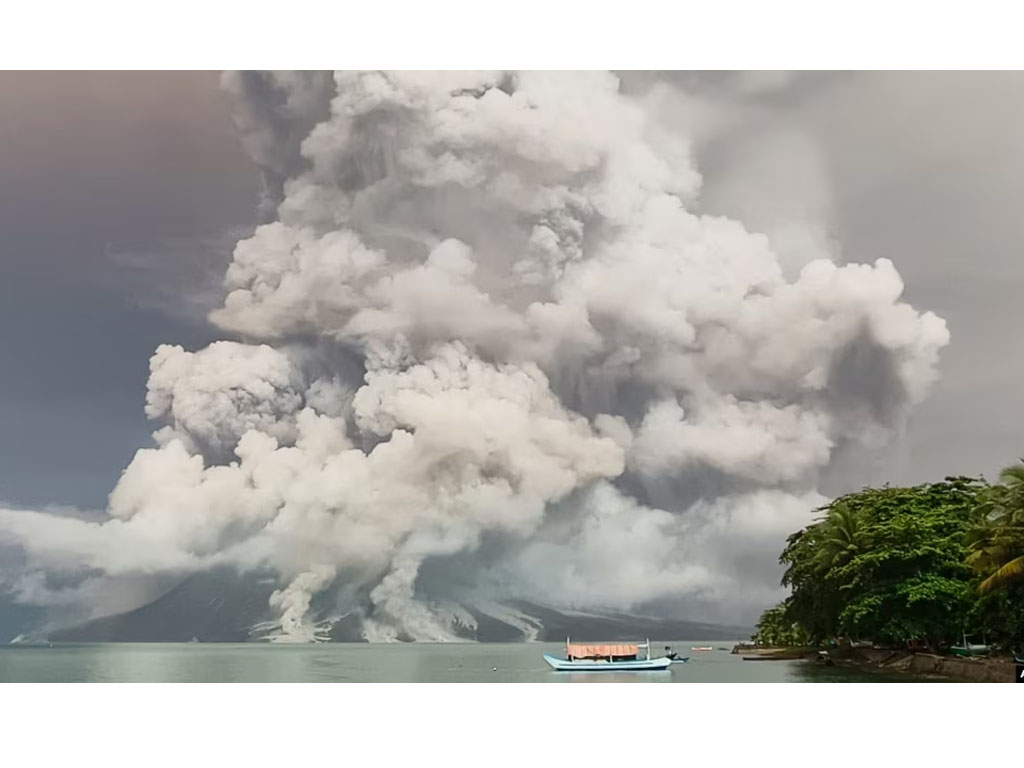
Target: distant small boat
(606, 657)
(701, 648)
(966, 648)
(675, 657)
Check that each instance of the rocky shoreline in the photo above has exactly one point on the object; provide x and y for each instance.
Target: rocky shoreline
(998, 669)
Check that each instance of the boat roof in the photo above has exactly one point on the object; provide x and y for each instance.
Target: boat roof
(602, 649)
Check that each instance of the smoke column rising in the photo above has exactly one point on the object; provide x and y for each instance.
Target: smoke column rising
(484, 347)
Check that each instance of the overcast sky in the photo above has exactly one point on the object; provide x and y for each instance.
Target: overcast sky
(93, 165)
(120, 193)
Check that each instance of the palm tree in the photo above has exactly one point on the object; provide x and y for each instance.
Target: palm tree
(996, 542)
(840, 537)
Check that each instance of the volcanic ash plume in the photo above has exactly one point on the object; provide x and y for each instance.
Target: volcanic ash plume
(485, 349)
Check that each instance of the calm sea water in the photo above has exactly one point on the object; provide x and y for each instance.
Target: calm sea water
(364, 663)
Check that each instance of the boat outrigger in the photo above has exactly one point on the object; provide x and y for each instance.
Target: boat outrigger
(606, 657)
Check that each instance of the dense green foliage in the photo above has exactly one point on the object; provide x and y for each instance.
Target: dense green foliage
(998, 615)
(886, 564)
(776, 629)
(894, 565)
(996, 540)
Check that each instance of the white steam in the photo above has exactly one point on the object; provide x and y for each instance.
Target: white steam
(488, 350)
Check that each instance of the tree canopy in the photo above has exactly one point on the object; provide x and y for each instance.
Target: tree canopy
(775, 628)
(996, 540)
(886, 564)
(892, 565)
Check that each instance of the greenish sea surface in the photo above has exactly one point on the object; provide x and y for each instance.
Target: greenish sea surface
(384, 663)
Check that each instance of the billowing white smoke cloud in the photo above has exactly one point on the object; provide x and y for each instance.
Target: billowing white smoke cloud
(488, 351)
(212, 397)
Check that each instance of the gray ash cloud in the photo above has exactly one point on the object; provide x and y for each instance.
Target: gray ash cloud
(486, 348)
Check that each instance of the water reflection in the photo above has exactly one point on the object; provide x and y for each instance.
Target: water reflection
(656, 676)
(362, 662)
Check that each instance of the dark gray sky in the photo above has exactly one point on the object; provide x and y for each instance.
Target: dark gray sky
(92, 166)
(928, 170)
(119, 193)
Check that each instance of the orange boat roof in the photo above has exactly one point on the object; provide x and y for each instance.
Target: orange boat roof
(602, 649)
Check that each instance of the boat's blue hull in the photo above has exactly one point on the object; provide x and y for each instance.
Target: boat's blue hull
(639, 665)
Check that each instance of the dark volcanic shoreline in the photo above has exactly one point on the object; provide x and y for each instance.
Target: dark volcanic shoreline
(993, 669)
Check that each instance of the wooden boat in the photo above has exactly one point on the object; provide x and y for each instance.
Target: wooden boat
(606, 657)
